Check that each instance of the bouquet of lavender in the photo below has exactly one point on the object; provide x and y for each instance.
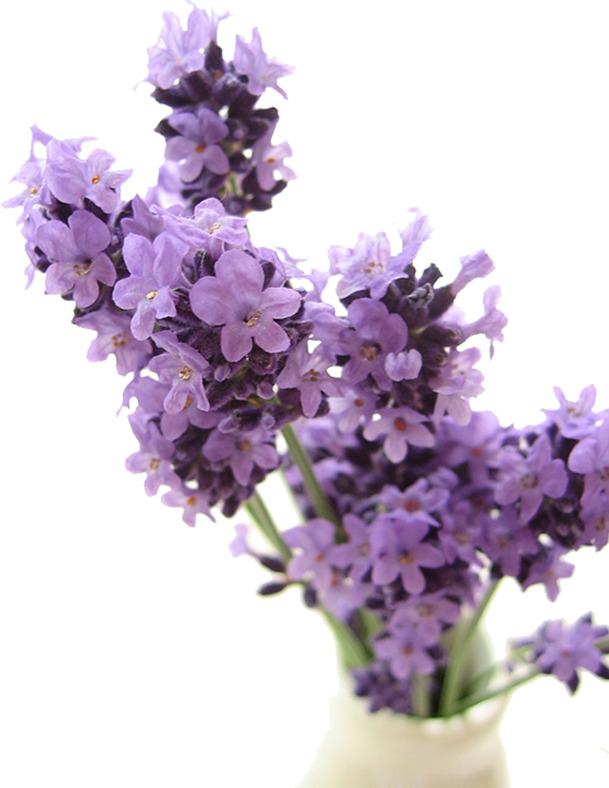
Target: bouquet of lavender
(355, 382)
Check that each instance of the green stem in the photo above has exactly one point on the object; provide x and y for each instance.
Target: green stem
(466, 703)
(256, 508)
(456, 661)
(301, 458)
(354, 652)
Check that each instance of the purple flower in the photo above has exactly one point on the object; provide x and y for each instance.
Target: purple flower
(153, 458)
(575, 419)
(356, 553)
(268, 160)
(178, 52)
(473, 266)
(561, 649)
(71, 179)
(311, 544)
(368, 266)
(547, 568)
(76, 252)
(591, 458)
(400, 427)
(235, 299)
(506, 541)
(529, 479)
(156, 269)
(308, 372)
(455, 384)
(375, 334)
(182, 368)
(406, 652)
(195, 146)
(114, 336)
(261, 71)
(244, 449)
(192, 503)
(210, 228)
(399, 551)
(419, 499)
(427, 614)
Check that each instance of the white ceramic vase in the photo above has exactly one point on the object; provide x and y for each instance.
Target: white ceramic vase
(387, 750)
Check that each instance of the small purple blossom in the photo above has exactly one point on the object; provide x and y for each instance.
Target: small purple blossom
(308, 372)
(114, 337)
(260, 70)
(400, 552)
(76, 253)
(400, 428)
(529, 479)
(196, 145)
(243, 449)
(235, 299)
(182, 368)
(156, 270)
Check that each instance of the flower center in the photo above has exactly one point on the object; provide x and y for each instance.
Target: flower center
(155, 464)
(406, 558)
(372, 269)
(370, 351)
(95, 179)
(191, 500)
(120, 340)
(82, 269)
(152, 294)
(529, 480)
(399, 424)
(199, 148)
(252, 318)
(185, 373)
(244, 444)
(215, 226)
(412, 506)
(311, 376)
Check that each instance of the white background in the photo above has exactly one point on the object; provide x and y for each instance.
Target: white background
(134, 649)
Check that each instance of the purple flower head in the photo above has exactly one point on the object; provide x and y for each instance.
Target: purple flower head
(179, 52)
(400, 552)
(419, 499)
(195, 147)
(114, 337)
(182, 368)
(400, 427)
(355, 554)
(153, 458)
(575, 419)
(548, 568)
(368, 266)
(311, 544)
(261, 71)
(156, 270)
(476, 444)
(506, 541)
(427, 614)
(356, 406)
(473, 266)
(244, 449)
(529, 479)
(192, 503)
(562, 649)
(591, 458)
(374, 335)
(413, 236)
(308, 372)
(268, 160)
(596, 522)
(235, 299)
(71, 179)
(145, 220)
(405, 650)
(76, 253)
(210, 228)
(455, 384)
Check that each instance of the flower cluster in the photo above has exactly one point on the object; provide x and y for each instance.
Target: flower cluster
(414, 506)
(219, 143)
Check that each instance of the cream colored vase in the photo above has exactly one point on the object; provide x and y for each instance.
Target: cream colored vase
(386, 750)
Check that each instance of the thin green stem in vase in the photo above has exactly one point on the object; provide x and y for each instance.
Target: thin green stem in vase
(459, 652)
